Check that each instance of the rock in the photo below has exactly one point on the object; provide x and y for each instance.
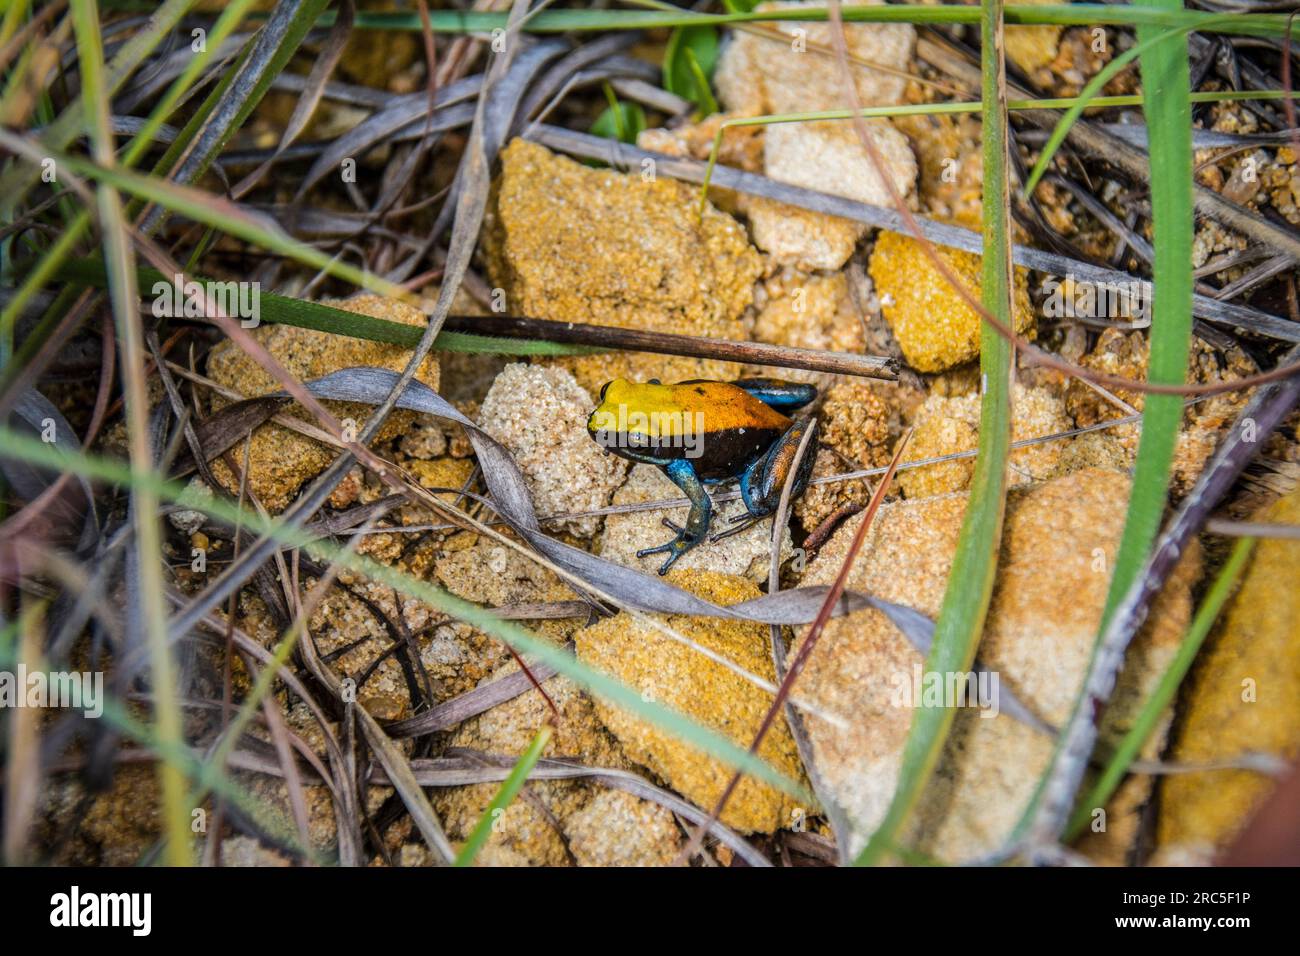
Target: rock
(1242, 698)
(795, 72)
(934, 326)
(794, 236)
(1033, 47)
(351, 634)
(819, 502)
(1058, 543)
(855, 422)
(280, 460)
(442, 473)
(526, 833)
(619, 829)
(1126, 354)
(424, 440)
(809, 312)
(246, 851)
(746, 554)
(945, 426)
(271, 795)
(761, 74)
(678, 677)
(827, 157)
(574, 244)
(741, 148)
(189, 522)
(115, 827)
(490, 573)
(951, 177)
(540, 415)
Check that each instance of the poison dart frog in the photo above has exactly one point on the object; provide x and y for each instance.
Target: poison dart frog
(704, 433)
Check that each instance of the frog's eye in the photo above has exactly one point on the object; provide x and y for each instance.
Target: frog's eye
(603, 389)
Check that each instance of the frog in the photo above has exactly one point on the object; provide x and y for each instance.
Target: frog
(702, 432)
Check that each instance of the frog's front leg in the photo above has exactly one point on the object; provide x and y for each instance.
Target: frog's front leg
(762, 481)
(682, 473)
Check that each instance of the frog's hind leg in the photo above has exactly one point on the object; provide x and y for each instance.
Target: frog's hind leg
(682, 473)
(762, 481)
(777, 394)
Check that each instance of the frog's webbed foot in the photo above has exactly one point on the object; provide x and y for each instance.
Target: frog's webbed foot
(683, 475)
(675, 549)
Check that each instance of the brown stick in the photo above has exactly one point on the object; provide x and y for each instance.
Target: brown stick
(637, 340)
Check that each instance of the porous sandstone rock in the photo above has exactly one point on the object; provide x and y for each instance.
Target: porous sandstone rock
(1059, 543)
(281, 460)
(935, 327)
(540, 415)
(681, 678)
(574, 244)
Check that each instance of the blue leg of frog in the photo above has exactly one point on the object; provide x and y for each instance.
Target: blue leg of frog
(762, 482)
(682, 473)
(783, 396)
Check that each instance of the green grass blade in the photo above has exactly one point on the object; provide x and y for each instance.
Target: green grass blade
(581, 20)
(1072, 103)
(970, 582)
(118, 255)
(121, 719)
(214, 211)
(1166, 80)
(1163, 695)
(510, 788)
(162, 20)
(303, 314)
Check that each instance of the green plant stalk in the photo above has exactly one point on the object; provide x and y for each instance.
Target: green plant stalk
(27, 448)
(576, 20)
(510, 788)
(1154, 706)
(1166, 77)
(1080, 102)
(15, 13)
(616, 114)
(304, 314)
(970, 582)
(122, 288)
(708, 105)
(44, 271)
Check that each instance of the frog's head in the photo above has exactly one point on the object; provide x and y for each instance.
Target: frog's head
(620, 418)
(603, 424)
